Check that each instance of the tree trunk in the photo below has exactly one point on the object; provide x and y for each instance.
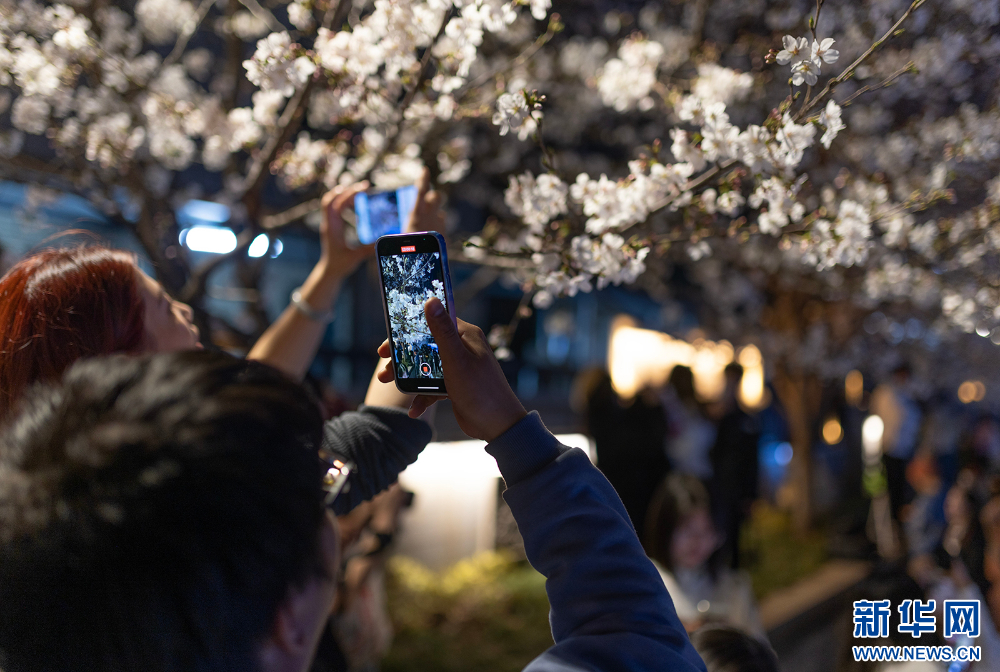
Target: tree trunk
(799, 396)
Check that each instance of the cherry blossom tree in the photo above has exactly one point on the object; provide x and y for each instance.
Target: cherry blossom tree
(133, 104)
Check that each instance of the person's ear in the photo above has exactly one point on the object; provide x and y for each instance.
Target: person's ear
(297, 625)
(302, 615)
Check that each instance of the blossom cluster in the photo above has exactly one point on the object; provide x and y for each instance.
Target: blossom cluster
(806, 60)
(97, 83)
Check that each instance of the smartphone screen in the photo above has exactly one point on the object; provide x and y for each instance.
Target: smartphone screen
(413, 268)
(383, 213)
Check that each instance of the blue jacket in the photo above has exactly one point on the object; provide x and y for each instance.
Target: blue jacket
(609, 608)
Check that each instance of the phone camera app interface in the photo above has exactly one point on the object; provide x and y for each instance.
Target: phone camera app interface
(411, 278)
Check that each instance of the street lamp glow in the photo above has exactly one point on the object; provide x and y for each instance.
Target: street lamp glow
(871, 438)
(854, 387)
(833, 433)
(752, 385)
(258, 248)
(970, 391)
(212, 239)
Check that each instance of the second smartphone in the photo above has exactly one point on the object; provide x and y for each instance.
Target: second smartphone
(412, 269)
(384, 212)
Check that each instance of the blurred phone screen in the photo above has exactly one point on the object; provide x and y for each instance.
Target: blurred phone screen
(383, 213)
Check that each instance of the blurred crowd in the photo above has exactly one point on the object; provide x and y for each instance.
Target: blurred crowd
(687, 472)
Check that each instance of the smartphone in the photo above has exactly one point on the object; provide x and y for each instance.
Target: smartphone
(413, 267)
(383, 213)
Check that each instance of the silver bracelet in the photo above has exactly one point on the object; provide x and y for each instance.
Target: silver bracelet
(309, 311)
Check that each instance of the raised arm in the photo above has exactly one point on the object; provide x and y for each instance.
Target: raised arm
(426, 216)
(290, 343)
(610, 610)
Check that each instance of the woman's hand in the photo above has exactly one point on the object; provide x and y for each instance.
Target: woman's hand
(337, 261)
(484, 404)
(427, 215)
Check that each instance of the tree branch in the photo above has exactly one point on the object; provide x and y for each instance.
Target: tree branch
(189, 29)
(282, 219)
(849, 71)
(286, 124)
(884, 83)
(521, 58)
(411, 94)
(263, 14)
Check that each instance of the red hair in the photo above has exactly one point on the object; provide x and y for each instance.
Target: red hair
(60, 305)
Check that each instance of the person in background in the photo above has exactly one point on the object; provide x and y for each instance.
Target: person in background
(960, 571)
(683, 543)
(361, 621)
(989, 518)
(628, 436)
(61, 305)
(924, 518)
(894, 404)
(734, 465)
(166, 513)
(726, 649)
(690, 436)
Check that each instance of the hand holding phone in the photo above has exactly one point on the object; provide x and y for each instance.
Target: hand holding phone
(383, 213)
(483, 402)
(412, 269)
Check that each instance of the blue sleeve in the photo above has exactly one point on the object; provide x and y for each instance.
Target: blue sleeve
(609, 608)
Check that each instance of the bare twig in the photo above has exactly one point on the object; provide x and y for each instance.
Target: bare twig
(189, 29)
(263, 14)
(884, 83)
(286, 126)
(849, 71)
(281, 219)
(815, 20)
(507, 261)
(521, 58)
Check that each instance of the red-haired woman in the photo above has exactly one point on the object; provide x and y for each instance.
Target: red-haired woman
(58, 306)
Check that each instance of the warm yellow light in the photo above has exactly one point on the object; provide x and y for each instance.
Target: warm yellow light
(833, 433)
(639, 358)
(752, 386)
(854, 387)
(970, 391)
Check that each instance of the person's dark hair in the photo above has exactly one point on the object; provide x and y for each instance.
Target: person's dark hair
(677, 497)
(726, 649)
(682, 381)
(60, 305)
(734, 370)
(154, 513)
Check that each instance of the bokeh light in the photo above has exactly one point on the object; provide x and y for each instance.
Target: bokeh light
(833, 432)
